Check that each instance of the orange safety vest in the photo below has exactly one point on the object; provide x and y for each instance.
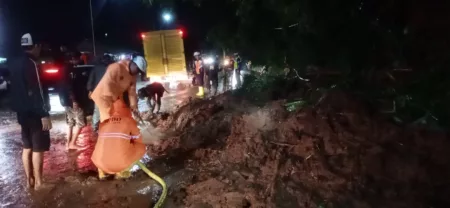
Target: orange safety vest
(111, 87)
(198, 66)
(119, 143)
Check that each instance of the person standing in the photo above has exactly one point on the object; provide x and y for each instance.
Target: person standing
(70, 98)
(213, 75)
(75, 122)
(227, 73)
(94, 78)
(237, 69)
(30, 101)
(199, 73)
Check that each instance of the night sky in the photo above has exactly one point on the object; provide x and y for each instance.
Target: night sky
(68, 21)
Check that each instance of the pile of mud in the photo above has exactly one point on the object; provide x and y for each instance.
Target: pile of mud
(335, 154)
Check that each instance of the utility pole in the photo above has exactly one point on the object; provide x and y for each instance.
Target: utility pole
(92, 28)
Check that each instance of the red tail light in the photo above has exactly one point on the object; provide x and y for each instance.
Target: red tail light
(51, 71)
(143, 36)
(180, 32)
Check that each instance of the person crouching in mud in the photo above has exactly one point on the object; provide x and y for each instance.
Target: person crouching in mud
(153, 92)
(120, 77)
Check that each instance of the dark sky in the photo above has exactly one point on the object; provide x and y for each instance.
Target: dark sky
(68, 21)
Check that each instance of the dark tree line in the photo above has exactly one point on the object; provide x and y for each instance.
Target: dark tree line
(358, 38)
(346, 35)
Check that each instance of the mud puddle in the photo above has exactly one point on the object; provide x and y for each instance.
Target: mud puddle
(83, 189)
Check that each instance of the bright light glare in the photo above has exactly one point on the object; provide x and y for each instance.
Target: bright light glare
(55, 104)
(51, 71)
(122, 57)
(42, 62)
(2, 59)
(226, 62)
(4, 86)
(167, 17)
(209, 60)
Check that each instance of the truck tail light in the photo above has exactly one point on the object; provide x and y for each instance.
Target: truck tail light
(51, 71)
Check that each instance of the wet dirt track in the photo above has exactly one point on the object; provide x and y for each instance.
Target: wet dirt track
(71, 175)
(228, 152)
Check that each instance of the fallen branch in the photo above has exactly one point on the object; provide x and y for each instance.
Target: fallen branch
(282, 144)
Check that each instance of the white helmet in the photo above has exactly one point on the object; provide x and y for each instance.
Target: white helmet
(27, 40)
(196, 53)
(141, 63)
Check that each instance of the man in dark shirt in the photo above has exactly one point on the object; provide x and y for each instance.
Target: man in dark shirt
(94, 78)
(213, 74)
(153, 92)
(31, 103)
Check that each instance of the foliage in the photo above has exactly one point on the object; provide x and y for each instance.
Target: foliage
(273, 85)
(358, 38)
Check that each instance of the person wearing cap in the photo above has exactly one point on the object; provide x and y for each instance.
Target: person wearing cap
(120, 77)
(30, 100)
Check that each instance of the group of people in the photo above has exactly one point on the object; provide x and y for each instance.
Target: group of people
(206, 74)
(107, 84)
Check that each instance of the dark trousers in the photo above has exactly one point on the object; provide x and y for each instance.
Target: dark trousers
(199, 78)
(214, 80)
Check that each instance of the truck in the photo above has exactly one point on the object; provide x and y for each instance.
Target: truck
(164, 53)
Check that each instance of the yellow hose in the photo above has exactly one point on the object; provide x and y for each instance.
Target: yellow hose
(152, 175)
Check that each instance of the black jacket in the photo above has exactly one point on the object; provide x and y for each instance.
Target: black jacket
(95, 76)
(214, 73)
(28, 94)
(65, 87)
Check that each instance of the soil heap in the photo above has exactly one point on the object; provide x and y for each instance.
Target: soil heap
(333, 154)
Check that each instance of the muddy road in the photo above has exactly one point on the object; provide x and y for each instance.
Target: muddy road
(227, 152)
(71, 175)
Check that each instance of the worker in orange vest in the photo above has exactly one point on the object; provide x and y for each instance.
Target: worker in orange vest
(118, 135)
(199, 73)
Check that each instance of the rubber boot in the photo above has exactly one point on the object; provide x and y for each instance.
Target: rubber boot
(101, 175)
(200, 91)
(123, 175)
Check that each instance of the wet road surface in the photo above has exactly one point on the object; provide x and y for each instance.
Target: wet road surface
(71, 175)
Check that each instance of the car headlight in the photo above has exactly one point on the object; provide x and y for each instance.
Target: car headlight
(209, 60)
(226, 62)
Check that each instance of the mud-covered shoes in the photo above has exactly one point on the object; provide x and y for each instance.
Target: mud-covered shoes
(123, 175)
(101, 175)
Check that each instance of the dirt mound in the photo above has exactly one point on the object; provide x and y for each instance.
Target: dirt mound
(196, 124)
(335, 154)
